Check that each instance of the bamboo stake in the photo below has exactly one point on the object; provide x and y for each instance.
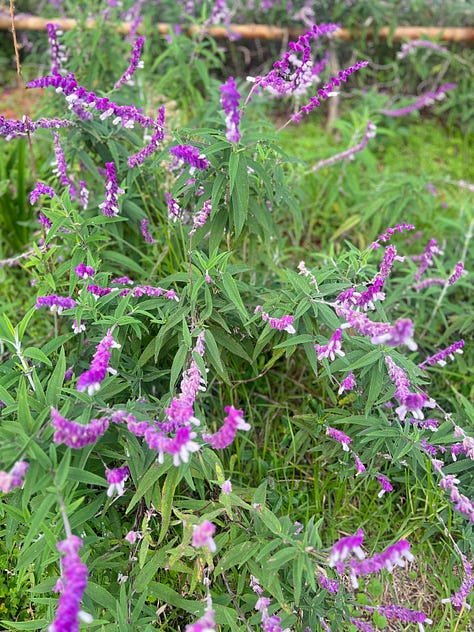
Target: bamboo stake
(257, 31)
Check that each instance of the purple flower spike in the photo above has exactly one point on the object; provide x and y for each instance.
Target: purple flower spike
(55, 303)
(158, 136)
(57, 50)
(458, 272)
(332, 348)
(134, 64)
(116, 479)
(230, 98)
(202, 536)
(340, 437)
(226, 434)
(91, 379)
(205, 624)
(83, 271)
(76, 435)
(347, 546)
(110, 206)
(394, 555)
(426, 99)
(440, 357)
(41, 189)
(189, 155)
(348, 383)
(72, 585)
(13, 478)
(11, 128)
(385, 484)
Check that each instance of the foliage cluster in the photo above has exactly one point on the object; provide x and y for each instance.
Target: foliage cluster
(237, 278)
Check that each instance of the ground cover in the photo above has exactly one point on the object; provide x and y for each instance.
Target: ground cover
(242, 420)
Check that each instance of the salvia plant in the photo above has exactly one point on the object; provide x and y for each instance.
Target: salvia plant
(158, 297)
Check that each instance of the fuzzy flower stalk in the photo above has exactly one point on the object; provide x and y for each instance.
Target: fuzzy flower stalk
(71, 587)
(370, 132)
(74, 434)
(135, 63)
(284, 323)
(57, 50)
(110, 206)
(157, 138)
(230, 98)
(91, 379)
(13, 478)
(423, 101)
(409, 401)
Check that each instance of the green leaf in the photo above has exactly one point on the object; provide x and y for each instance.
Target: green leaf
(212, 349)
(151, 476)
(37, 354)
(281, 558)
(167, 496)
(177, 367)
(56, 380)
(62, 471)
(99, 595)
(232, 293)
(237, 555)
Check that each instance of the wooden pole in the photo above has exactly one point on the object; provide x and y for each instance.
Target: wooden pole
(257, 31)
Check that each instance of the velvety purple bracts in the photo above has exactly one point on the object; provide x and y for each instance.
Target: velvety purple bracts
(459, 599)
(13, 478)
(400, 333)
(361, 625)
(55, 303)
(81, 101)
(134, 64)
(409, 402)
(440, 357)
(201, 216)
(83, 271)
(426, 259)
(11, 128)
(41, 189)
(332, 348)
(394, 555)
(408, 47)
(110, 206)
(158, 136)
(230, 98)
(401, 614)
(345, 547)
(175, 212)
(91, 379)
(202, 535)
(458, 272)
(226, 434)
(189, 155)
(348, 383)
(340, 437)
(331, 585)
(116, 479)
(385, 485)
(76, 435)
(426, 99)
(326, 91)
(72, 585)
(285, 77)
(388, 234)
(61, 167)
(205, 624)
(145, 231)
(284, 323)
(57, 50)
